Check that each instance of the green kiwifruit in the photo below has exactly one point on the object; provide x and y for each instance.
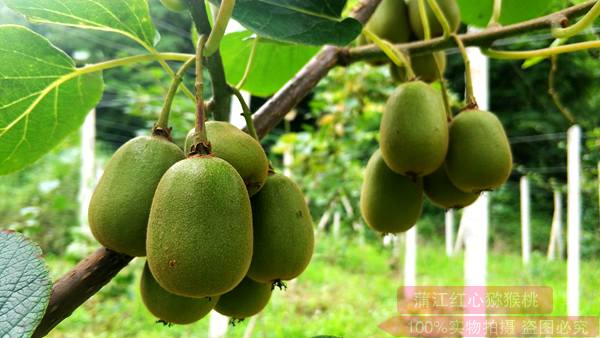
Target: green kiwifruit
(414, 130)
(389, 202)
(119, 207)
(424, 67)
(200, 228)
(243, 152)
(443, 193)
(390, 21)
(283, 232)
(448, 7)
(479, 155)
(169, 307)
(246, 300)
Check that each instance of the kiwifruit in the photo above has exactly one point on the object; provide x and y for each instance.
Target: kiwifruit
(169, 307)
(448, 7)
(443, 193)
(389, 202)
(242, 151)
(246, 300)
(200, 228)
(479, 155)
(424, 67)
(390, 21)
(414, 130)
(119, 207)
(283, 231)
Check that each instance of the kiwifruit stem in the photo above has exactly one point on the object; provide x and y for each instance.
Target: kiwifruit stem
(444, 88)
(218, 30)
(397, 56)
(439, 14)
(544, 52)
(583, 23)
(424, 20)
(470, 97)
(247, 113)
(201, 145)
(554, 94)
(163, 119)
(249, 63)
(497, 10)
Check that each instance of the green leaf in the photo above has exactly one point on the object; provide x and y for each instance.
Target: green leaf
(24, 285)
(274, 63)
(127, 17)
(478, 12)
(310, 22)
(43, 97)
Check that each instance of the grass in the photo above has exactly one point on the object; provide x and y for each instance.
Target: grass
(348, 289)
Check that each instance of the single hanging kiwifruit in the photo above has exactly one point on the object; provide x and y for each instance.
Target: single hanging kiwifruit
(443, 193)
(120, 205)
(479, 155)
(199, 240)
(389, 202)
(243, 152)
(283, 231)
(414, 130)
(246, 300)
(169, 307)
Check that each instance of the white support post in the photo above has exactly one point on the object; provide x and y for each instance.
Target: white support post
(573, 218)
(449, 224)
(410, 262)
(476, 231)
(555, 247)
(87, 171)
(337, 224)
(525, 218)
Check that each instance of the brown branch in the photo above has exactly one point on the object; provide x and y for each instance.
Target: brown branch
(273, 111)
(81, 283)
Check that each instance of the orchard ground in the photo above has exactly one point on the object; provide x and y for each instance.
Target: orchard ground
(348, 289)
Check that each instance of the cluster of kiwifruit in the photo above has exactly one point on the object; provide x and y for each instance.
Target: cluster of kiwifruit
(421, 152)
(218, 230)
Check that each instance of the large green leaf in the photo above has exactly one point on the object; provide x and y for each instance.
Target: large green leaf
(311, 22)
(128, 17)
(43, 97)
(24, 285)
(274, 63)
(478, 12)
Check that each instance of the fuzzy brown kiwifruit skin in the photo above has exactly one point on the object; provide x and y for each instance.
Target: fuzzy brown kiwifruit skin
(169, 307)
(120, 205)
(479, 155)
(246, 300)
(441, 192)
(424, 67)
(389, 202)
(449, 8)
(238, 148)
(199, 240)
(283, 231)
(414, 130)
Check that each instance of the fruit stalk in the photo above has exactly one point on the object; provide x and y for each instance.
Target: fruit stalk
(497, 10)
(439, 14)
(396, 55)
(201, 144)
(582, 24)
(218, 30)
(247, 113)
(162, 126)
(248, 64)
(424, 19)
(544, 52)
(469, 96)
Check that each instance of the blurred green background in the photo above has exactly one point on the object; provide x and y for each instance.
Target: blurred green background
(350, 286)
